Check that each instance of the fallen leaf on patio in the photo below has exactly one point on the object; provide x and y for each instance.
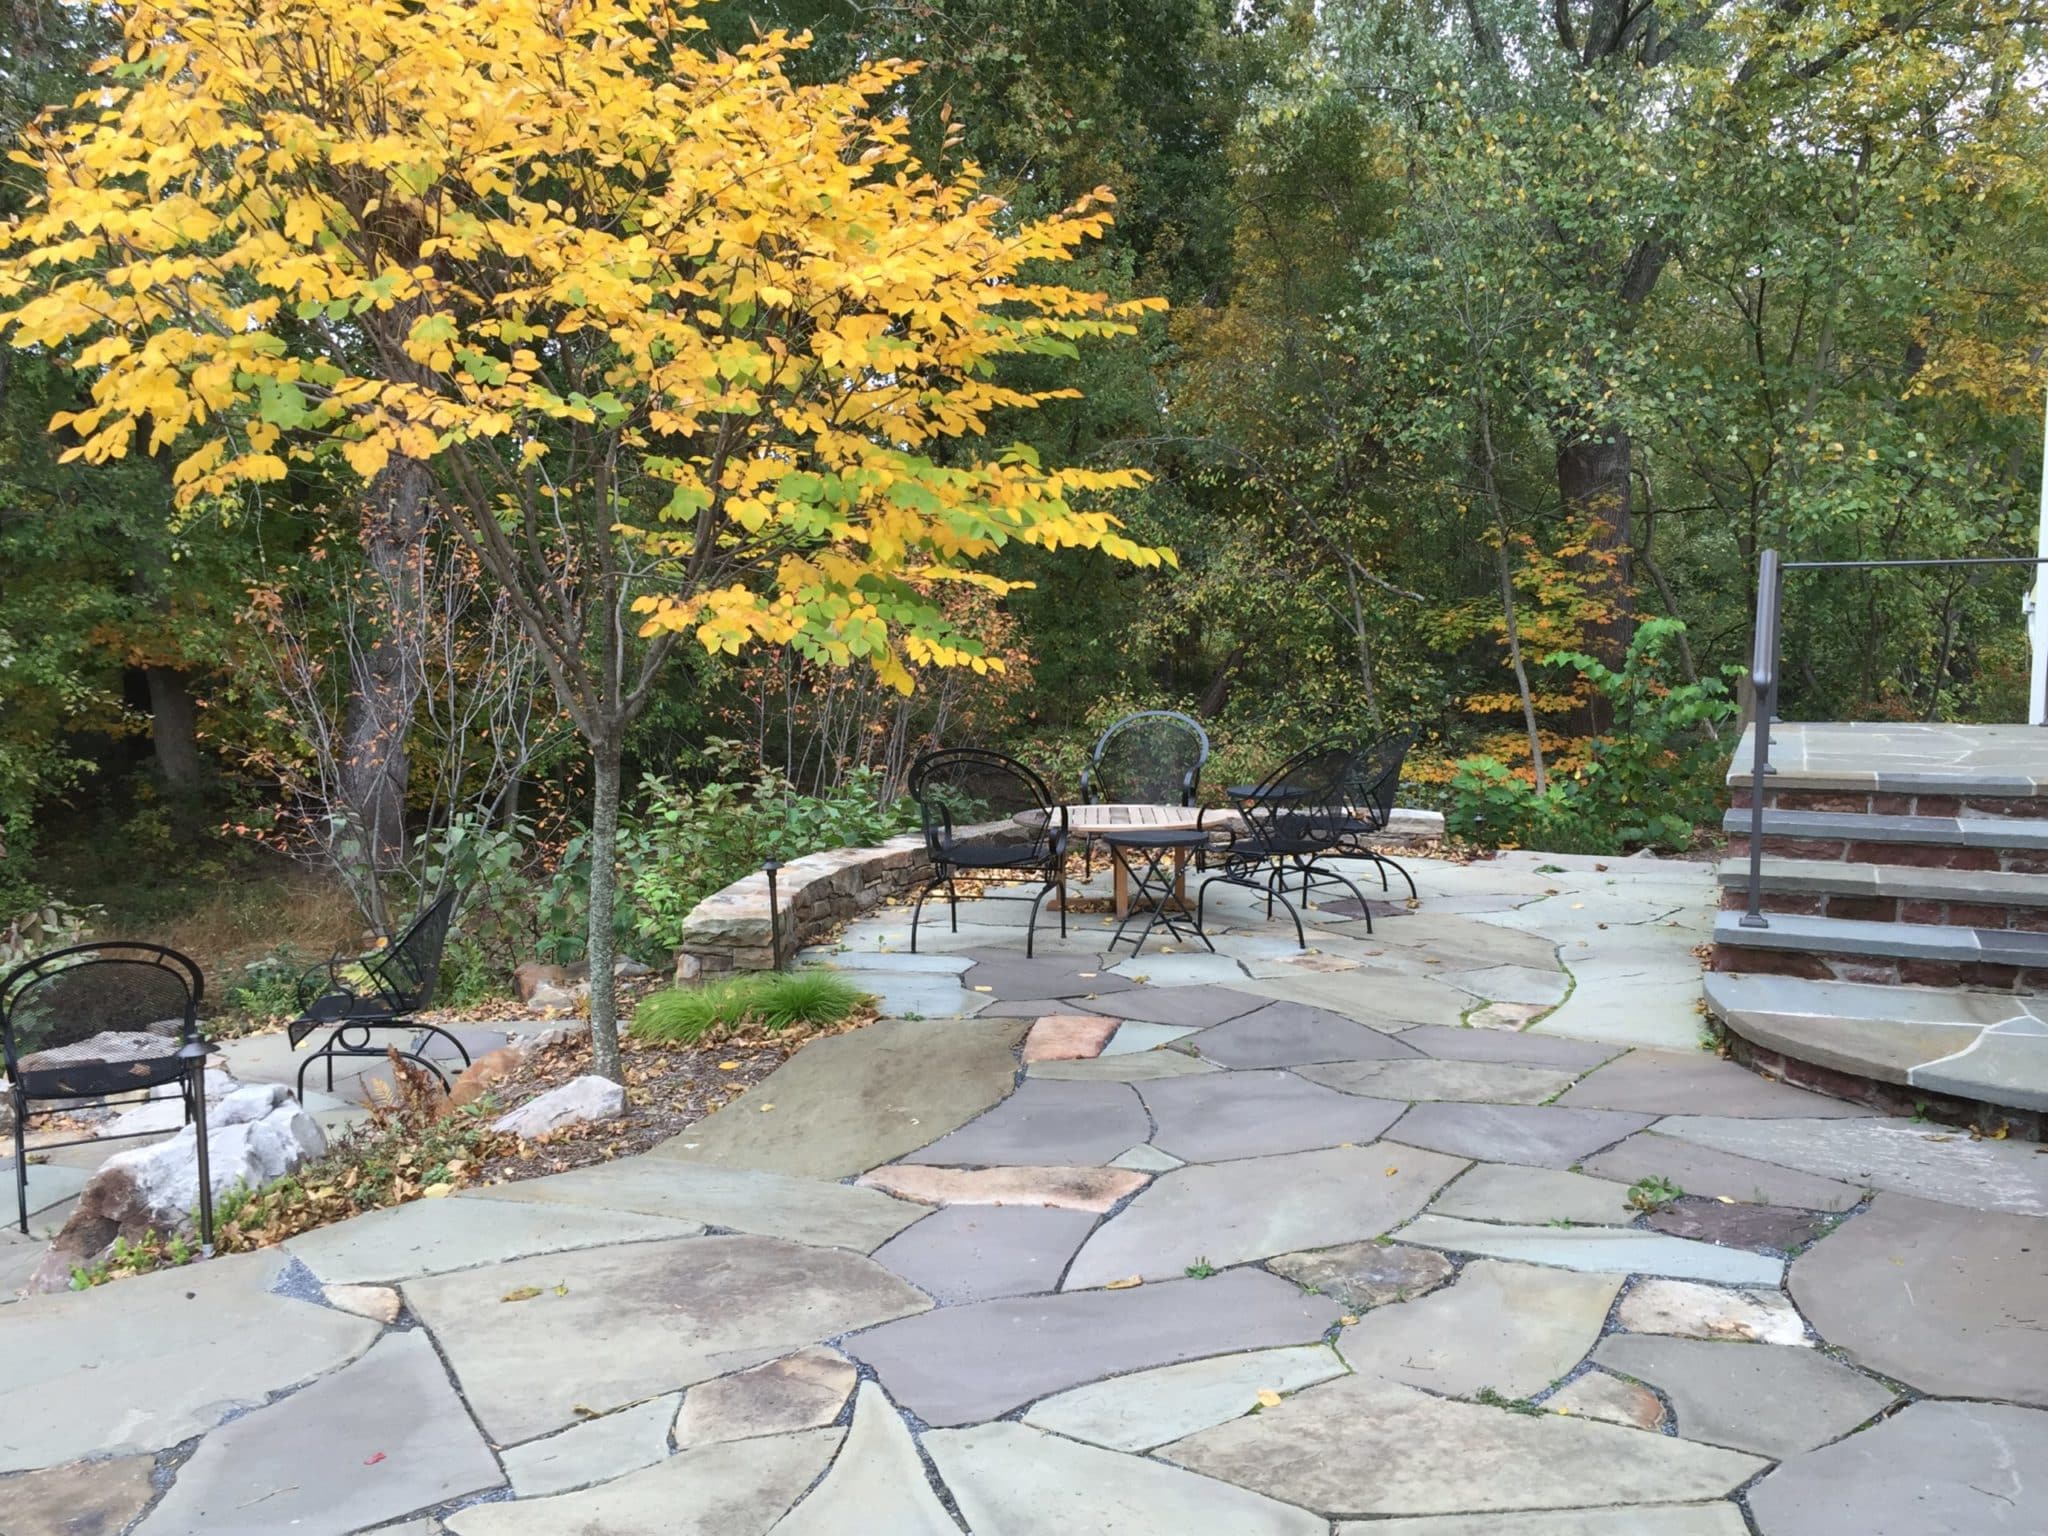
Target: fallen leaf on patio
(728, 1066)
(373, 1460)
(1269, 1398)
(1347, 1321)
(1087, 975)
(984, 989)
(1126, 1284)
(1725, 1199)
(524, 1293)
(436, 1191)
(1941, 1138)
(586, 1411)
(1392, 1171)
(562, 1289)
(766, 1107)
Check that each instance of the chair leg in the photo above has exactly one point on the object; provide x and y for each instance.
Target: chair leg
(953, 900)
(918, 910)
(21, 1158)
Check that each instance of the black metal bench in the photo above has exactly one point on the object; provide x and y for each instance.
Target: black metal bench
(352, 997)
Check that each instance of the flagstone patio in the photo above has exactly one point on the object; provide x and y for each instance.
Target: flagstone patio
(1334, 1244)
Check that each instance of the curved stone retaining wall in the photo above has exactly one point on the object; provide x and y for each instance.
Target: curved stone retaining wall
(730, 930)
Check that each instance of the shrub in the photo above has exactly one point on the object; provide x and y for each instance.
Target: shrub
(768, 1000)
(1650, 781)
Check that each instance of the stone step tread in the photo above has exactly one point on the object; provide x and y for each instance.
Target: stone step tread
(1981, 761)
(1987, 1046)
(1907, 881)
(1864, 827)
(1894, 941)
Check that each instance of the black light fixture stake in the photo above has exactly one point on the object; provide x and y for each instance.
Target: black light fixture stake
(770, 869)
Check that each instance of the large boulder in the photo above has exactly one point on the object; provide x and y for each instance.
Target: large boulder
(577, 1101)
(255, 1136)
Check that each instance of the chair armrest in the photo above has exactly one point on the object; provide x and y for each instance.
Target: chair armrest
(1088, 786)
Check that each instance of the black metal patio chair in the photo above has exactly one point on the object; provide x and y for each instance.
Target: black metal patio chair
(1291, 823)
(94, 1024)
(351, 997)
(1153, 757)
(959, 787)
(1370, 786)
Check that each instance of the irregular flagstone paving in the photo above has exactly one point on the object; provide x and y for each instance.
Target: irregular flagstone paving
(1264, 1243)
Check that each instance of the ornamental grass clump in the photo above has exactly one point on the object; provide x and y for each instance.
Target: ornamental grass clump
(768, 1001)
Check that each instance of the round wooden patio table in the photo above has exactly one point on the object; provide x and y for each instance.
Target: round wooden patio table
(1084, 821)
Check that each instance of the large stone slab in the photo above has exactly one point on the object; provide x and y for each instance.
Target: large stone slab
(739, 1488)
(1366, 1275)
(1361, 1447)
(1291, 1034)
(1466, 1043)
(605, 1327)
(965, 1365)
(1740, 1226)
(430, 1237)
(376, 1440)
(1509, 1327)
(1691, 1310)
(1720, 1176)
(1068, 1037)
(1490, 1082)
(1123, 1067)
(805, 1390)
(1148, 1408)
(1006, 973)
(157, 1359)
(739, 1199)
(1227, 1213)
(1764, 1398)
(1534, 1134)
(86, 1498)
(1694, 1083)
(593, 1452)
(1226, 1115)
(1135, 1036)
(1896, 1155)
(848, 1102)
(1078, 1125)
(1188, 1008)
(975, 1252)
(1011, 1480)
(1645, 1520)
(1949, 1300)
(1932, 1469)
(1071, 1189)
(1167, 969)
(876, 1483)
(1600, 1250)
(1535, 1197)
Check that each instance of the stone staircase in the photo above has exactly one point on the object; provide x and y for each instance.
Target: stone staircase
(1905, 891)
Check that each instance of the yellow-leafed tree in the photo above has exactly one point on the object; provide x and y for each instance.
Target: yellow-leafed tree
(685, 348)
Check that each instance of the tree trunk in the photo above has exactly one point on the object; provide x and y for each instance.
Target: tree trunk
(386, 682)
(1593, 482)
(174, 737)
(604, 840)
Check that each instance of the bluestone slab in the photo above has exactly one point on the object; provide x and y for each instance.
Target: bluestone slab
(595, 1451)
(1225, 1115)
(1694, 1083)
(1600, 1250)
(1188, 1008)
(1289, 1034)
(1046, 1124)
(1533, 1134)
(1946, 1299)
(876, 1482)
(1764, 1398)
(1721, 1175)
(1228, 1213)
(965, 1365)
(975, 1252)
(1490, 1082)
(376, 1440)
(1462, 1043)
(430, 1237)
(1148, 1408)
(1721, 1519)
(1535, 1197)
(1012, 1480)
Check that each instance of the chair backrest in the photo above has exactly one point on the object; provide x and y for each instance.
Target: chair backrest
(408, 970)
(1375, 777)
(69, 995)
(959, 786)
(1300, 801)
(1154, 757)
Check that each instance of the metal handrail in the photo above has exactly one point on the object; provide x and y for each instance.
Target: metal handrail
(1763, 680)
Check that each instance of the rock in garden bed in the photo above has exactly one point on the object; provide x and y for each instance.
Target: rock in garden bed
(255, 1136)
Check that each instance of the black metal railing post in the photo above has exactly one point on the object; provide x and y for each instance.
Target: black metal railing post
(771, 868)
(1763, 703)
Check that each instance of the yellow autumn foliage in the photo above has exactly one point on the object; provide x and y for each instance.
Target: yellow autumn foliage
(570, 252)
